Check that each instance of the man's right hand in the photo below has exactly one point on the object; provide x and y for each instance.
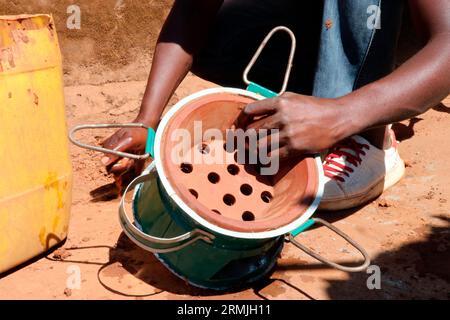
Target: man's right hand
(132, 140)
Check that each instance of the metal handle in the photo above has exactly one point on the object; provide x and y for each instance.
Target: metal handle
(263, 45)
(360, 268)
(156, 244)
(150, 139)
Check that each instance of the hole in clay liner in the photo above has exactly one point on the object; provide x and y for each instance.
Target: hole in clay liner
(242, 156)
(204, 148)
(233, 169)
(248, 216)
(216, 211)
(194, 193)
(186, 167)
(229, 199)
(246, 189)
(236, 157)
(213, 177)
(266, 196)
(225, 147)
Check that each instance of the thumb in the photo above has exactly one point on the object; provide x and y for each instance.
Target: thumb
(123, 145)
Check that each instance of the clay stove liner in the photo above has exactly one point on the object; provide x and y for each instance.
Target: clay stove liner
(233, 196)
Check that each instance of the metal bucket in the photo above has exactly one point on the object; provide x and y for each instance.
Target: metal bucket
(215, 262)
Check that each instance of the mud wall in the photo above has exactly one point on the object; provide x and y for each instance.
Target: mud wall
(115, 39)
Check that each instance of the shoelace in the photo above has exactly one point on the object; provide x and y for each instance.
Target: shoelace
(334, 169)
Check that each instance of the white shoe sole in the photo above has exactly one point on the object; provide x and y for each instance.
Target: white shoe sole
(390, 179)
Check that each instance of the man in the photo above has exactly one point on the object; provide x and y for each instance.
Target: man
(347, 92)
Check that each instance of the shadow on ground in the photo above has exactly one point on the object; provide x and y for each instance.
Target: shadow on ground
(404, 132)
(442, 108)
(417, 270)
(147, 268)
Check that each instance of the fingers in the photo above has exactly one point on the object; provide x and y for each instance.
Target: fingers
(266, 145)
(116, 163)
(110, 143)
(282, 153)
(271, 142)
(124, 144)
(121, 166)
(124, 166)
(124, 140)
(259, 108)
(269, 122)
(262, 107)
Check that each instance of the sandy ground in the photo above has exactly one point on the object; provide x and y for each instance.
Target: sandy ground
(406, 231)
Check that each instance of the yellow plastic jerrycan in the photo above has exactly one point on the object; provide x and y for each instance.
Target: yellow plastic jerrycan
(35, 167)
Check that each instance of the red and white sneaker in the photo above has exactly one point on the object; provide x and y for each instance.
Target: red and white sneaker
(356, 172)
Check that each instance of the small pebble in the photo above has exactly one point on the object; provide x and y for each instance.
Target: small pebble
(67, 292)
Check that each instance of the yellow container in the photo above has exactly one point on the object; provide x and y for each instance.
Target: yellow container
(35, 168)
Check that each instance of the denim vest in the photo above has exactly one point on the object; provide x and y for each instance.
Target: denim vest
(355, 47)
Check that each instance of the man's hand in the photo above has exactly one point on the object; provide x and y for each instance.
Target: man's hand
(132, 140)
(306, 124)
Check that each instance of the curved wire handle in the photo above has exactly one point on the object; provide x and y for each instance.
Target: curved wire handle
(263, 45)
(152, 243)
(109, 151)
(362, 267)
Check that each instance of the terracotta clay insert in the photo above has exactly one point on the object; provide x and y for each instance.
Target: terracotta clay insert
(232, 195)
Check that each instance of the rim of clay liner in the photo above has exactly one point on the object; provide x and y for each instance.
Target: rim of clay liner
(25, 16)
(205, 223)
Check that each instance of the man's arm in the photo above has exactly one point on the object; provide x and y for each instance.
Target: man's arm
(419, 84)
(309, 124)
(182, 35)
